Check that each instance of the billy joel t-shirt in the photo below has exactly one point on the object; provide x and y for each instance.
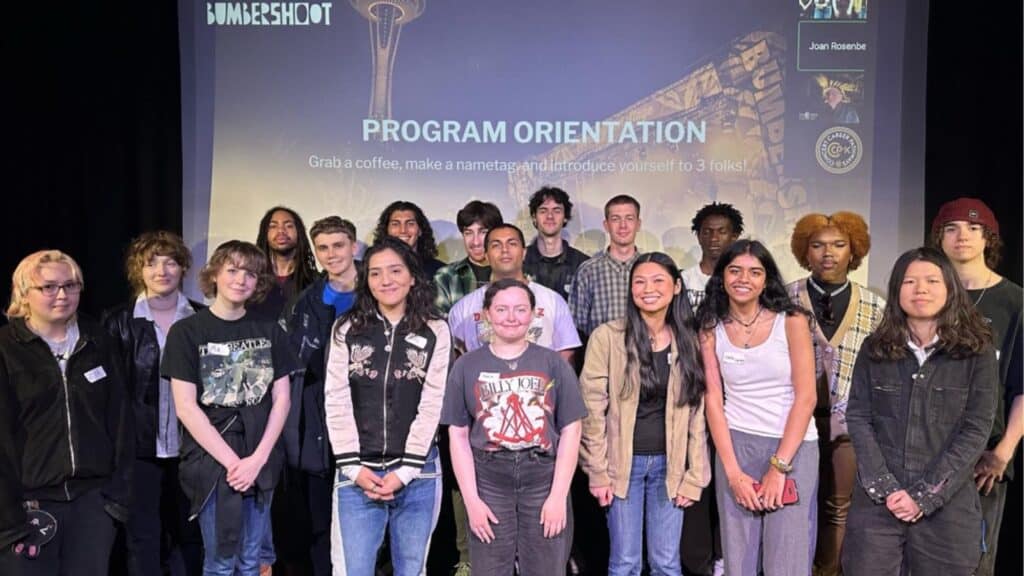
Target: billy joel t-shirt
(232, 362)
(517, 404)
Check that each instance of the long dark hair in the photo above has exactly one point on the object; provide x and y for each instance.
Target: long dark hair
(715, 307)
(679, 318)
(961, 329)
(419, 303)
(426, 246)
(305, 265)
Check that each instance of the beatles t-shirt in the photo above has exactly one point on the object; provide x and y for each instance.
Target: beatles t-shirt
(232, 362)
(518, 404)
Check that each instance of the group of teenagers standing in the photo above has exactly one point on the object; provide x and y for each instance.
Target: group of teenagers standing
(849, 434)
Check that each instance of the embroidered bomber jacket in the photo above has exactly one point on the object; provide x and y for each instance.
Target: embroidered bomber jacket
(384, 391)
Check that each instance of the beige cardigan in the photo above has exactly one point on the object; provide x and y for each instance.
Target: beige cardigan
(606, 452)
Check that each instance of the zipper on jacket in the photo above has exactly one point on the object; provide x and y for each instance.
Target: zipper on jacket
(387, 372)
(67, 412)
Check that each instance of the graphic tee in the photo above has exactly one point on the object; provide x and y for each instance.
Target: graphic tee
(232, 362)
(519, 404)
(551, 326)
(695, 280)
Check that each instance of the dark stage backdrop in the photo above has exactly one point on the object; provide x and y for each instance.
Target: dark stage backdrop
(94, 142)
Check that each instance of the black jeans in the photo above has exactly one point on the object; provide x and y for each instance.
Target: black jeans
(319, 494)
(992, 511)
(158, 533)
(81, 547)
(514, 485)
(946, 543)
(701, 542)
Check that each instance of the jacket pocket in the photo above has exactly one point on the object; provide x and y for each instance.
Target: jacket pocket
(885, 398)
(946, 402)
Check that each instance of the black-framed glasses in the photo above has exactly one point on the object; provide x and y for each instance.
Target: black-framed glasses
(51, 290)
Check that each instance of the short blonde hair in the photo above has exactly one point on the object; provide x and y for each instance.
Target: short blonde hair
(150, 244)
(25, 275)
(244, 255)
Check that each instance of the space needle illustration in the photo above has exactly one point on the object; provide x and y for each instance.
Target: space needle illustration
(386, 20)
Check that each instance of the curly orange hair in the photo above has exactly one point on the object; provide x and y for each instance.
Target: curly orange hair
(847, 223)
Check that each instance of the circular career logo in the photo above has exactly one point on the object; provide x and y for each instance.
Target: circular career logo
(839, 150)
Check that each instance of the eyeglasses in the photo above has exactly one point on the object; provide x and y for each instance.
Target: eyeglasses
(51, 290)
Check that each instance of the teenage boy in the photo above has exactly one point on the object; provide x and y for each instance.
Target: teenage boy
(550, 260)
(308, 322)
(551, 325)
(601, 288)
(282, 239)
(229, 377)
(407, 222)
(717, 226)
(968, 233)
(463, 276)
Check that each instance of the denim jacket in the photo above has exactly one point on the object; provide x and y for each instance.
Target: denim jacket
(920, 428)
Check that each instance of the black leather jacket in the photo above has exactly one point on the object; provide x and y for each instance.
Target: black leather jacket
(138, 353)
(60, 437)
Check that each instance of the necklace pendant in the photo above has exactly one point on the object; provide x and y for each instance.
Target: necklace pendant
(512, 364)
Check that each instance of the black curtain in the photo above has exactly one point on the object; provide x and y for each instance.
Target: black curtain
(95, 112)
(974, 148)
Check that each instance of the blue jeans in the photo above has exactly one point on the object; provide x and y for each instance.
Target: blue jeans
(412, 516)
(267, 554)
(664, 522)
(246, 560)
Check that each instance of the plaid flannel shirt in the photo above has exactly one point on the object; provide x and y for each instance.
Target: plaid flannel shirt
(453, 282)
(600, 291)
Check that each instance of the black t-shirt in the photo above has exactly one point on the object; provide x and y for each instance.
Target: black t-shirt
(481, 273)
(820, 303)
(282, 290)
(231, 362)
(649, 432)
(1001, 306)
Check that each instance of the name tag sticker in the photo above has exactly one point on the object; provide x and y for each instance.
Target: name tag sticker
(416, 340)
(489, 377)
(218, 349)
(733, 358)
(96, 374)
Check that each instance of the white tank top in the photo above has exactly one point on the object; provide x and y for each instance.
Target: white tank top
(758, 383)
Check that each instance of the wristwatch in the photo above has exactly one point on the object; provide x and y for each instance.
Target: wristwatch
(780, 464)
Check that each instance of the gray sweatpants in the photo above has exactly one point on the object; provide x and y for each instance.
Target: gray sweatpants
(781, 540)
